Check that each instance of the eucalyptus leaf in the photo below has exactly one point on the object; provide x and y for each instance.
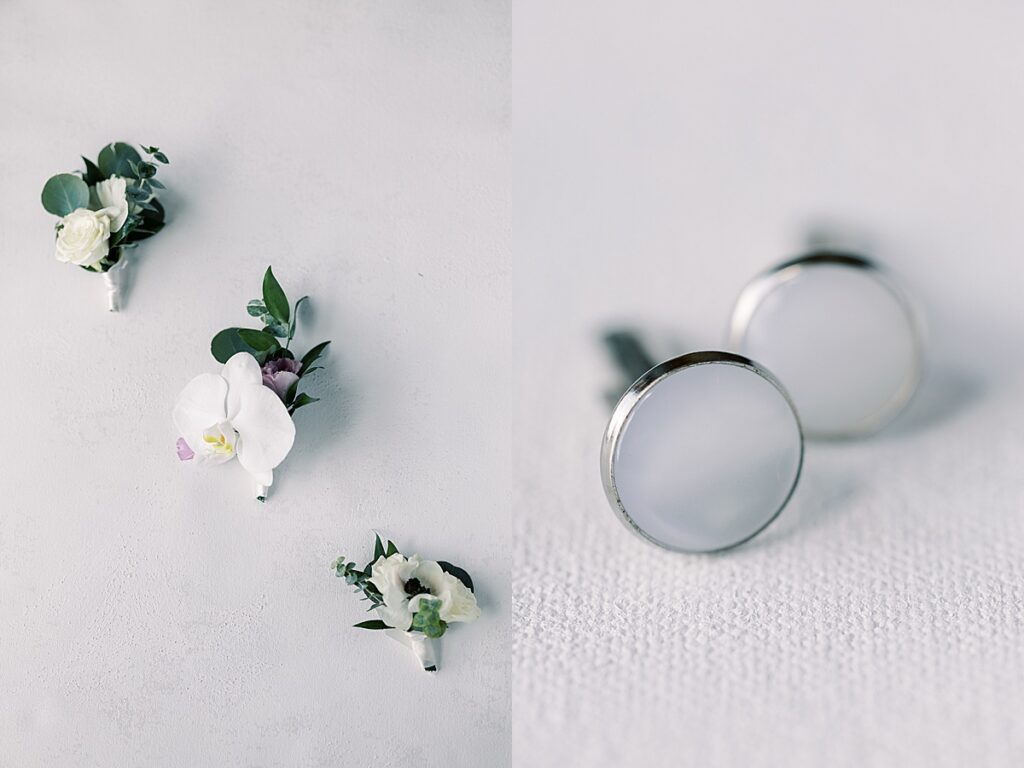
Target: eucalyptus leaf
(274, 297)
(117, 159)
(157, 184)
(274, 328)
(312, 356)
(65, 193)
(391, 550)
(378, 547)
(256, 308)
(372, 624)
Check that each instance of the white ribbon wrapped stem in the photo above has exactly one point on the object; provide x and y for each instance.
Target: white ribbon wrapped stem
(113, 278)
(421, 645)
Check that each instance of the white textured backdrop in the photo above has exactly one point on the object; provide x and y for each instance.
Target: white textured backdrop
(154, 615)
(665, 152)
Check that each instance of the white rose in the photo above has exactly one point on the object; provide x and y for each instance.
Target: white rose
(112, 199)
(84, 237)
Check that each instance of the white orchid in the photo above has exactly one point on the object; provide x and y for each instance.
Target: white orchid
(392, 577)
(234, 414)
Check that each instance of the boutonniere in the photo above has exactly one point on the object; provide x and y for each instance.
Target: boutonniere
(246, 410)
(105, 210)
(415, 599)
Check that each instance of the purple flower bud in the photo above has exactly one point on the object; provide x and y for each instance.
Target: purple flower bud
(280, 374)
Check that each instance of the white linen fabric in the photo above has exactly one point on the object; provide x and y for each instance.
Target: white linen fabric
(878, 621)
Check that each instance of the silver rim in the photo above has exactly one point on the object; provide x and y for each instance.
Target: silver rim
(633, 396)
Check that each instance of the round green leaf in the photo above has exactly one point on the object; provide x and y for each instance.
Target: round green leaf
(117, 159)
(227, 343)
(65, 193)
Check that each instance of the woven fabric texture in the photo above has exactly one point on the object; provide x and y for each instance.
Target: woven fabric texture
(878, 621)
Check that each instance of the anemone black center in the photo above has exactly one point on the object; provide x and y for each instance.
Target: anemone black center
(413, 587)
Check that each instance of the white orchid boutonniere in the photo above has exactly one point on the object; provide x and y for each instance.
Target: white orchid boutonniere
(415, 599)
(246, 410)
(106, 210)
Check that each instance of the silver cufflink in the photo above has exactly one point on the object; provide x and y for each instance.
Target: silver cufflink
(704, 451)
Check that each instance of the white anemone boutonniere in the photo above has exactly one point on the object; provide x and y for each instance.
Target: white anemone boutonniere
(416, 599)
(106, 210)
(246, 410)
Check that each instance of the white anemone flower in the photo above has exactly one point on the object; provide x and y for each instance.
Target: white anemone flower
(391, 575)
(234, 414)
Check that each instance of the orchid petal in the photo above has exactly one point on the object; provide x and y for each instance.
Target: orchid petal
(185, 453)
(266, 431)
(241, 369)
(200, 405)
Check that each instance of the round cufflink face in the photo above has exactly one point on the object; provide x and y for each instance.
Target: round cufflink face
(841, 336)
(702, 452)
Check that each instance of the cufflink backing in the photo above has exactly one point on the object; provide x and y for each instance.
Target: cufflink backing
(840, 333)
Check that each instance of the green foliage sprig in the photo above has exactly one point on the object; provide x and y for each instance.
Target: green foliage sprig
(279, 321)
(67, 192)
(360, 579)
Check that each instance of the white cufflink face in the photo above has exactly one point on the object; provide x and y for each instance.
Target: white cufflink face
(702, 452)
(839, 334)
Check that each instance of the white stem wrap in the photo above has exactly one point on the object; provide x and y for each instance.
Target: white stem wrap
(261, 492)
(113, 278)
(421, 645)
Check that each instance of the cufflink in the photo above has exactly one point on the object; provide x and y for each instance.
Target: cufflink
(842, 335)
(704, 451)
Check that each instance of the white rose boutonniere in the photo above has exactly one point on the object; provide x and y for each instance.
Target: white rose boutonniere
(416, 599)
(106, 210)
